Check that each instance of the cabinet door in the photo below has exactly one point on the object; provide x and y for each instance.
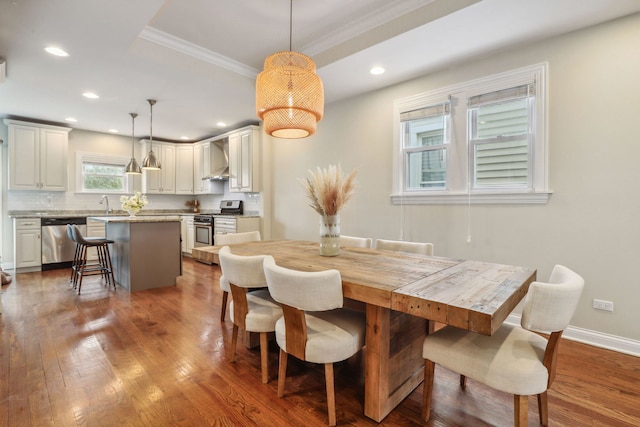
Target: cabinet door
(28, 248)
(191, 230)
(53, 160)
(168, 171)
(184, 169)
(24, 157)
(244, 161)
(151, 179)
(197, 168)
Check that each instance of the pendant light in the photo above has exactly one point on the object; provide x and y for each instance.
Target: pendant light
(151, 161)
(289, 94)
(133, 168)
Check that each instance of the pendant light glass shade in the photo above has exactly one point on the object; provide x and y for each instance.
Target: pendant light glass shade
(289, 93)
(133, 168)
(151, 161)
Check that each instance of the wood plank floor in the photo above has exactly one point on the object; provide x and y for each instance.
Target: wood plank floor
(159, 357)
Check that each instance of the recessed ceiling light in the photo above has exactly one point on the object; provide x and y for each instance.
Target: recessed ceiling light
(376, 70)
(114, 131)
(71, 119)
(221, 124)
(56, 51)
(90, 95)
(184, 138)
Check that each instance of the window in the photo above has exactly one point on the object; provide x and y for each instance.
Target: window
(481, 141)
(99, 173)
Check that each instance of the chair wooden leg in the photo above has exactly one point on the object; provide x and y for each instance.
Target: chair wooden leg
(463, 381)
(520, 410)
(282, 372)
(331, 393)
(429, 371)
(264, 357)
(234, 341)
(223, 306)
(543, 409)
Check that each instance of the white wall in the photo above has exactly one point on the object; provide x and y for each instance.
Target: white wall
(591, 223)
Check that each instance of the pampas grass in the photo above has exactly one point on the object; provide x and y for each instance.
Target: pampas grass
(328, 189)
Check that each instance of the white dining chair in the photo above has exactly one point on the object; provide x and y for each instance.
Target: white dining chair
(402, 246)
(230, 239)
(251, 311)
(314, 327)
(515, 359)
(355, 242)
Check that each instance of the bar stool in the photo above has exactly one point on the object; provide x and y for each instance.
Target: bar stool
(84, 268)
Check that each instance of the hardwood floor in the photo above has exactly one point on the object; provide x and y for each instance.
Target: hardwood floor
(158, 357)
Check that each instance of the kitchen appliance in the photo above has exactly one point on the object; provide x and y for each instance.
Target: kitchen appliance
(57, 249)
(203, 223)
(219, 173)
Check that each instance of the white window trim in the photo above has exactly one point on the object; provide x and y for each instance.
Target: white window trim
(101, 158)
(457, 190)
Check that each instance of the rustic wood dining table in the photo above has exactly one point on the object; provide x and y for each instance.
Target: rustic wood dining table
(402, 293)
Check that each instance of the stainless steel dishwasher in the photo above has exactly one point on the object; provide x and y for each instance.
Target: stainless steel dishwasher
(57, 249)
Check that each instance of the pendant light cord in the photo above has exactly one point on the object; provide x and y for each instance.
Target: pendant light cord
(290, 25)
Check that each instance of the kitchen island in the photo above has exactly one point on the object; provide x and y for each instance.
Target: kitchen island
(146, 252)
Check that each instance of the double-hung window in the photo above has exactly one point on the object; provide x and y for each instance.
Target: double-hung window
(482, 141)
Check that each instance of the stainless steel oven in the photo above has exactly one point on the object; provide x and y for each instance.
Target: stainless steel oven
(203, 230)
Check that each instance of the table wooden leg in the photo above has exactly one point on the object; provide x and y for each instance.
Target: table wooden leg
(394, 366)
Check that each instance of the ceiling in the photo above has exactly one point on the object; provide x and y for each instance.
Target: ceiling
(199, 58)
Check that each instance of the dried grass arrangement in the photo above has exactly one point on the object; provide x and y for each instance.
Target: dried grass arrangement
(328, 189)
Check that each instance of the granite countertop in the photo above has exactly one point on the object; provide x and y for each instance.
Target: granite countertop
(117, 213)
(116, 218)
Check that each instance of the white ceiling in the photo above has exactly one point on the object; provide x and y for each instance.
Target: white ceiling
(199, 58)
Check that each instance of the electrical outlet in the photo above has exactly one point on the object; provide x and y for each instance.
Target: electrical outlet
(599, 304)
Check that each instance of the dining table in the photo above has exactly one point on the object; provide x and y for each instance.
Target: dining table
(403, 295)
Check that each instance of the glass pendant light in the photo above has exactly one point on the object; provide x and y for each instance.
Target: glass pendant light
(133, 168)
(151, 161)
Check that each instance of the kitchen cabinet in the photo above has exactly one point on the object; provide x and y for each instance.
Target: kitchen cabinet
(161, 181)
(94, 229)
(244, 160)
(188, 233)
(184, 169)
(37, 156)
(234, 224)
(27, 246)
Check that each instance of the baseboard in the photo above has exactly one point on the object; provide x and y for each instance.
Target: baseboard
(596, 339)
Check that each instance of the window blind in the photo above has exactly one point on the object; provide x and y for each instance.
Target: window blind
(523, 91)
(423, 113)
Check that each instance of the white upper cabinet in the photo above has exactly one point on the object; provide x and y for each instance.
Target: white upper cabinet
(184, 169)
(37, 156)
(161, 181)
(244, 160)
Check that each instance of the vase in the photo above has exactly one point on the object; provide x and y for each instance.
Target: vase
(330, 235)
(132, 212)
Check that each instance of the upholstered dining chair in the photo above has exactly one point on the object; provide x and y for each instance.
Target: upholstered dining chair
(355, 242)
(314, 327)
(402, 246)
(230, 239)
(515, 359)
(251, 311)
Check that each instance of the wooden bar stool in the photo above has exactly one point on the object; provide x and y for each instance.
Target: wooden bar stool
(83, 267)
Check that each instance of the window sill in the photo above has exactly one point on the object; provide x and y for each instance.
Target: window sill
(475, 199)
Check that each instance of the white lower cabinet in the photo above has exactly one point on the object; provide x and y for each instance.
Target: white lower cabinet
(188, 231)
(27, 243)
(234, 224)
(95, 229)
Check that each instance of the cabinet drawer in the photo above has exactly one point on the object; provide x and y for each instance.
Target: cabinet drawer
(27, 223)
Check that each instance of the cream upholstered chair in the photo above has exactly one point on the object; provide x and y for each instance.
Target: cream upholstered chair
(514, 359)
(230, 239)
(401, 246)
(253, 311)
(356, 242)
(314, 327)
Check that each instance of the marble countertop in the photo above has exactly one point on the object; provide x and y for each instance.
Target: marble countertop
(116, 213)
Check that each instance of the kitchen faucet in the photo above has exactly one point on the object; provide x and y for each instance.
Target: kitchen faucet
(107, 209)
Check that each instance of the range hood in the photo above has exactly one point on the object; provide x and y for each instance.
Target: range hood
(219, 173)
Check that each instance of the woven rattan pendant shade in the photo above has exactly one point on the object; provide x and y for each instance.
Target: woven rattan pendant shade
(289, 95)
